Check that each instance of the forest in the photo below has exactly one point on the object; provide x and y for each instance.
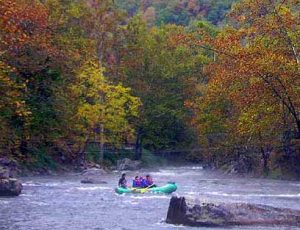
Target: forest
(216, 81)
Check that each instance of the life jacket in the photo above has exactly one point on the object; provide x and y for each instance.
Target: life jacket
(149, 182)
(144, 183)
(136, 183)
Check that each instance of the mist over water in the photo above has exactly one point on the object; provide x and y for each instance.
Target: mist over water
(64, 203)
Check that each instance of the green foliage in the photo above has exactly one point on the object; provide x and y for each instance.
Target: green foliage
(112, 156)
(177, 11)
(41, 160)
(162, 74)
(151, 160)
(76, 72)
(51, 100)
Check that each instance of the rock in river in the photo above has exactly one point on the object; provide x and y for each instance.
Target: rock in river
(8, 168)
(93, 176)
(4, 173)
(10, 187)
(190, 212)
(127, 164)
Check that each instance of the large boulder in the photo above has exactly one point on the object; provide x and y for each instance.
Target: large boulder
(10, 187)
(193, 213)
(4, 172)
(8, 168)
(244, 165)
(93, 176)
(127, 164)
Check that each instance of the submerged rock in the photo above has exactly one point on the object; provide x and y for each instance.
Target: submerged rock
(192, 213)
(93, 172)
(93, 181)
(10, 187)
(93, 176)
(127, 164)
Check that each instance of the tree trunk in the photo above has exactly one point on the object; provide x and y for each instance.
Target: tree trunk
(101, 148)
(265, 157)
(82, 154)
(298, 129)
(24, 147)
(138, 145)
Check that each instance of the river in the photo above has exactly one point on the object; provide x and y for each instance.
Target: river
(63, 203)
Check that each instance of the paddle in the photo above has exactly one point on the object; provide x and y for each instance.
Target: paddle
(143, 190)
(133, 189)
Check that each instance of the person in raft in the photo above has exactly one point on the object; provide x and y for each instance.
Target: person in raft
(142, 182)
(146, 182)
(136, 183)
(123, 182)
(149, 181)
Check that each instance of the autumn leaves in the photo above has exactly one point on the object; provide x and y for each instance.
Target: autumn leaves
(253, 91)
(75, 71)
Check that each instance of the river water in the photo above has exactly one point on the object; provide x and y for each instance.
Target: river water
(63, 203)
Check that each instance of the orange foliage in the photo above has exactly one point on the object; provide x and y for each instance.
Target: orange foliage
(257, 61)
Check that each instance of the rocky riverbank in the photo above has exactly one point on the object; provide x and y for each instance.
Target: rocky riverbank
(192, 212)
(9, 186)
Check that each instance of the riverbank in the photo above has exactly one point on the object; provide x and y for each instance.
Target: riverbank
(243, 167)
(252, 166)
(40, 167)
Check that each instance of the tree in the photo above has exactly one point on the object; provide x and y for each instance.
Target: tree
(27, 50)
(261, 62)
(44, 45)
(100, 102)
(179, 12)
(257, 73)
(162, 74)
(11, 107)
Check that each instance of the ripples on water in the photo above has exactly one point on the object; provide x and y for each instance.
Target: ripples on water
(56, 203)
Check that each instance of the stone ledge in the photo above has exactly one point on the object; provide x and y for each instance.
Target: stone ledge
(189, 212)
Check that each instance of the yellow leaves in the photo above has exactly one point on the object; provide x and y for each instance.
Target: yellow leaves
(10, 93)
(258, 119)
(90, 113)
(254, 80)
(103, 103)
(242, 18)
(75, 10)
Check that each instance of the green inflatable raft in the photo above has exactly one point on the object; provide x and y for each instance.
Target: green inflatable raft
(166, 189)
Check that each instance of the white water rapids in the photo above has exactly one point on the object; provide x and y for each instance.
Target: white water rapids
(63, 203)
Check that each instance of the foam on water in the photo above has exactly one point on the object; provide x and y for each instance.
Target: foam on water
(32, 184)
(133, 202)
(142, 197)
(197, 168)
(164, 173)
(253, 195)
(93, 188)
(2, 202)
(25, 194)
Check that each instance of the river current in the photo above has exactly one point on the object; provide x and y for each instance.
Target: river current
(63, 203)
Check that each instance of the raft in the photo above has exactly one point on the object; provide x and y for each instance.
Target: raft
(166, 189)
